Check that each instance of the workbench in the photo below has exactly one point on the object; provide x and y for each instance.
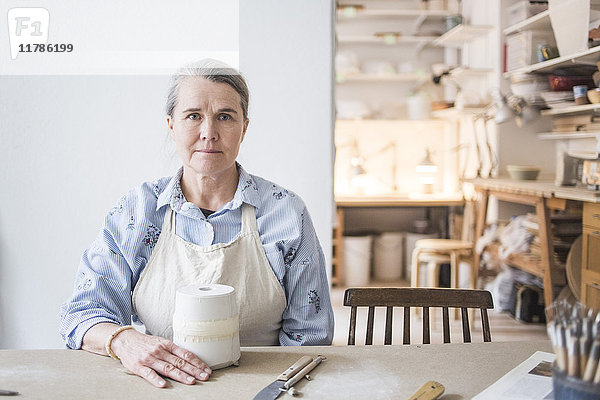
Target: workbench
(545, 196)
(349, 372)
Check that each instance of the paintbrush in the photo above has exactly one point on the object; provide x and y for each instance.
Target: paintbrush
(572, 351)
(592, 364)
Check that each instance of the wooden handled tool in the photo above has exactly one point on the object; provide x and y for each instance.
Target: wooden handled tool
(429, 391)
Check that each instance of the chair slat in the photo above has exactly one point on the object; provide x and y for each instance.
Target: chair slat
(352, 332)
(485, 325)
(426, 333)
(446, 323)
(370, 320)
(465, 325)
(389, 315)
(406, 334)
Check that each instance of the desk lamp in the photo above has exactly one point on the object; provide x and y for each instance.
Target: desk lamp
(427, 169)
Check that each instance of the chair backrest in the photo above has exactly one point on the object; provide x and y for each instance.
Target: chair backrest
(407, 297)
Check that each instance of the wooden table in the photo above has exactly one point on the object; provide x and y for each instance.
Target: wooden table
(544, 196)
(343, 203)
(350, 372)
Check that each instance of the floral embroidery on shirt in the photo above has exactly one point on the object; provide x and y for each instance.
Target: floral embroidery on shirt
(131, 223)
(249, 183)
(84, 283)
(155, 189)
(151, 236)
(119, 207)
(295, 336)
(289, 256)
(178, 197)
(280, 193)
(313, 298)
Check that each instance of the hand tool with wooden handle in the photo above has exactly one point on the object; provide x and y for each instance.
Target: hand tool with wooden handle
(276, 388)
(429, 391)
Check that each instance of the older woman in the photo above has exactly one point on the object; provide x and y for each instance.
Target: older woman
(212, 222)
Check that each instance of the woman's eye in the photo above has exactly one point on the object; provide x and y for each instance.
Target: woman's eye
(194, 116)
(224, 117)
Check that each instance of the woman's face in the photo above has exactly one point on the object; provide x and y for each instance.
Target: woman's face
(207, 126)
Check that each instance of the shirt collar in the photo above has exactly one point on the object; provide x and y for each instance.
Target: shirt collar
(246, 192)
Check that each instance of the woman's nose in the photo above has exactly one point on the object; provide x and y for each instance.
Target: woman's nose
(208, 130)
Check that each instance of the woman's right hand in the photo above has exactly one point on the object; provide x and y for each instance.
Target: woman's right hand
(148, 356)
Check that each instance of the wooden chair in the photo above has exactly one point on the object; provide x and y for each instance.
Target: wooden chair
(417, 297)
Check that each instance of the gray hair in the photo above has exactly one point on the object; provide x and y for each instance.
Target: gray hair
(214, 71)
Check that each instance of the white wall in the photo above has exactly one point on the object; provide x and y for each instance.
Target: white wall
(286, 55)
(72, 145)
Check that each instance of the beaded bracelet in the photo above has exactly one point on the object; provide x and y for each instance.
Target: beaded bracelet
(114, 335)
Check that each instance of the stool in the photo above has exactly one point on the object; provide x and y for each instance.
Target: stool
(435, 252)
(439, 251)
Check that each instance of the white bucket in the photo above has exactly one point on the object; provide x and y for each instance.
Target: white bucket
(387, 256)
(206, 323)
(357, 260)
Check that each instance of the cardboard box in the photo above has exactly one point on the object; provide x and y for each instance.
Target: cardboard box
(524, 9)
(522, 48)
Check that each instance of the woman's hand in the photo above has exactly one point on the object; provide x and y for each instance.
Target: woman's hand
(148, 356)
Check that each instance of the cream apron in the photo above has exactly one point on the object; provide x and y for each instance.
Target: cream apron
(242, 263)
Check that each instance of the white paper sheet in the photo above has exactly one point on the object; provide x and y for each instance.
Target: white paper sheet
(530, 380)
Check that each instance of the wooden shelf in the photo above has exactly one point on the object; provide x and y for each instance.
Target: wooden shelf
(453, 112)
(571, 109)
(523, 261)
(406, 77)
(539, 21)
(466, 72)
(374, 122)
(568, 135)
(376, 12)
(461, 34)
(589, 56)
(400, 39)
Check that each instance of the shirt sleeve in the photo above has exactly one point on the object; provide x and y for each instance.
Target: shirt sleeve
(102, 290)
(308, 318)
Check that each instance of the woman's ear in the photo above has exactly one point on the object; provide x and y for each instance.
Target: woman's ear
(246, 122)
(170, 125)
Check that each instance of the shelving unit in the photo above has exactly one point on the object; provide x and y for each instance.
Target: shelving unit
(466, 72)
(381, 39)
(568, 135)
(571, 109)
(364, 78)
(375, 12)
(589, 57)
(539, 21)
(453, 113)
(459, 35)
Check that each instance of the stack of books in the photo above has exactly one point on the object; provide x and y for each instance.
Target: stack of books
(576, 123)
(565, 227)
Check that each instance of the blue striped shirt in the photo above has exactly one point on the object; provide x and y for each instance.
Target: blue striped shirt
(111, 266)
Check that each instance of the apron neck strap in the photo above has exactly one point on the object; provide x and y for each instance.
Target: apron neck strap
(248, 218)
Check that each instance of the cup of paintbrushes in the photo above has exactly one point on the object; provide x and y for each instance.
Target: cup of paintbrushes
(574, 331)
